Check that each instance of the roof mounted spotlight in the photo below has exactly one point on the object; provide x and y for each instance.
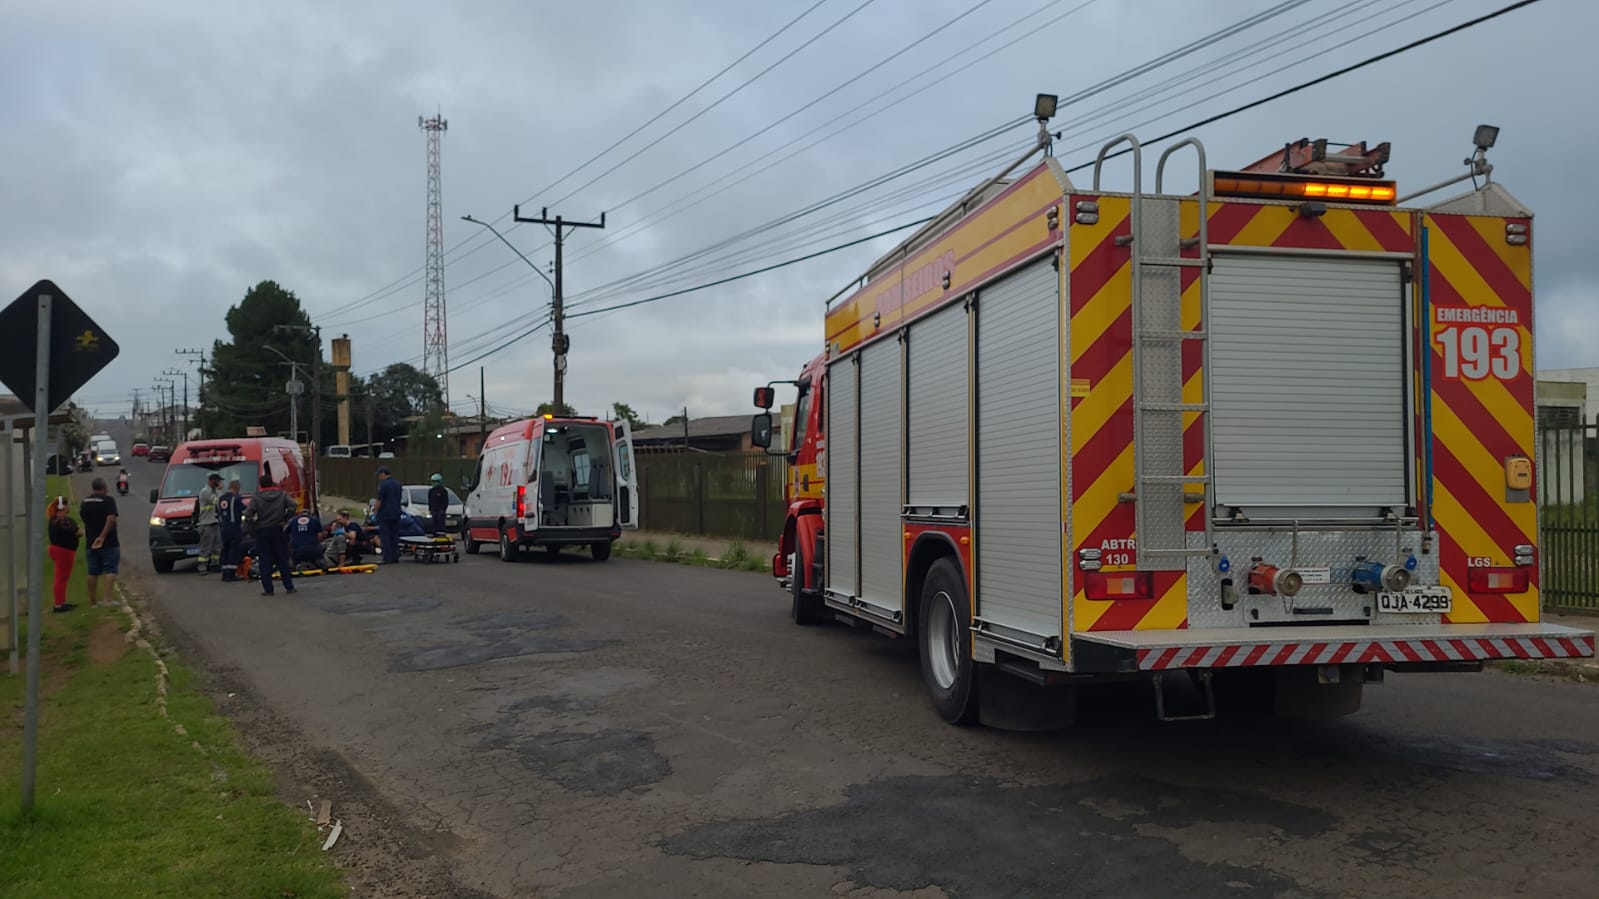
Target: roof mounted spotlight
(1044, 106)
(1485, 137)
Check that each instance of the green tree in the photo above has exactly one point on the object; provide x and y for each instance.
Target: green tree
(75, 433)
(399, 394)
(426, 437)
(624, 412)
(245, 382)
(563, 410)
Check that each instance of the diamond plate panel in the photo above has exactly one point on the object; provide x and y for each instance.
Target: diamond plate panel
(1332, 549)
(1158, 361)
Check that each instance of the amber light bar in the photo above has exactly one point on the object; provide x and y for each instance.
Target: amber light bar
(1340, 191)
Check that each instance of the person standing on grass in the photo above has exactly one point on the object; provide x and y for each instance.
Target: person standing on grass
(230, 518)
(388, 515)
(269, 512)
(64, 539)
(99, 514)
(205, 518)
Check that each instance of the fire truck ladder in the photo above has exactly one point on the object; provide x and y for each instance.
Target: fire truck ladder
(1163, 490)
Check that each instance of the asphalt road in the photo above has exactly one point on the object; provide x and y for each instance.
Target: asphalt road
(632, 728)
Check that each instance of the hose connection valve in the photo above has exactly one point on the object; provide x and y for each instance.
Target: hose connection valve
(1270, 579)
(1371, 577)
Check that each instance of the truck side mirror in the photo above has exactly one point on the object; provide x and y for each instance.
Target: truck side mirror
(155, 495)
(761, 430)
(764, 397)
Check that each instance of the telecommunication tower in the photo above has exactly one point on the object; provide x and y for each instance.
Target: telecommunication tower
(435, 335)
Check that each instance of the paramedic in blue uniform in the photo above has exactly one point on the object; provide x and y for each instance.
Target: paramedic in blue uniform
(230, 517)
(388, 515)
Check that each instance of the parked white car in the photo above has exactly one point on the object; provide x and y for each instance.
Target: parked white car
(414, 500)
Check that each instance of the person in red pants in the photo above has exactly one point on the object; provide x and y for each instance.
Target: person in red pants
(64, 538)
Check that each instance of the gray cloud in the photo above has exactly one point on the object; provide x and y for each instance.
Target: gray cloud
(165, 156)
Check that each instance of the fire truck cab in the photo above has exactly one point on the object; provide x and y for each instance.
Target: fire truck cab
(1276, 431)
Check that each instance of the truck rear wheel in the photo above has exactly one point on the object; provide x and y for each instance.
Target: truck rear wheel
(807, 608)
(944, 629)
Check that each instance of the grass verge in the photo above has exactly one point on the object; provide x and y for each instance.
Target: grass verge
(736, 557)
(1574, 671)
(131, 804)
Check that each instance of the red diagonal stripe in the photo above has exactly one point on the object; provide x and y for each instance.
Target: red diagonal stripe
(1100, 265)
(1389, 234)
(1452, 559)
(1489, 514)
(1165, 657)
(1227, 220)
(1406, 650)
(1284, 654)
(1113, 344)
(1101, 450)
(1442, 293)
(1344, 649)
(1254, 655)
(1227, 656)
(1436, 650)
(1489, 264)
(1484, 426)
(1543, 647)
(1307, 234)
(1375, 653)
(1195, 657)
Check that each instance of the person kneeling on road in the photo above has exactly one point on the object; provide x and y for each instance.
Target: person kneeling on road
(305, 539)
(334, 547)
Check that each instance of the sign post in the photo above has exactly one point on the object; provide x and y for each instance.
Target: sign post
(68, 349)
(41, 424)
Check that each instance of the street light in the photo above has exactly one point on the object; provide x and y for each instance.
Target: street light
(468, 218)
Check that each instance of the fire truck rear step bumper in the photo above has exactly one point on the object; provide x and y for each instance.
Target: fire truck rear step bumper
(1158, 650)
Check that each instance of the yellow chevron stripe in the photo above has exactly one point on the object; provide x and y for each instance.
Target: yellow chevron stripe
(1104, 398)
(1097, 502)
(1084, 239)
(1486, 470)
(1517, 259)
(1350, 231)
(1268, 224)
(1168, 611)
(1103, 308)
(1472, 540)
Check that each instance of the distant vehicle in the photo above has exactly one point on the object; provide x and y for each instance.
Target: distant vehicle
(173, 535)
(160, 453)
(385, 455)
(339, 451)
(414, 499)
(106, 454)
(58, 464)
(140, 449)
(553, 482)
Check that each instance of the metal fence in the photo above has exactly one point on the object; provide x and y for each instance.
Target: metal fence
(735, 495)
(1568, 514)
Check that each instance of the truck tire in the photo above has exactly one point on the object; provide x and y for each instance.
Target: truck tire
(807, 608)
(162, 566)
(600, 551)
(509, 552)
(471, 546)
(943, 636)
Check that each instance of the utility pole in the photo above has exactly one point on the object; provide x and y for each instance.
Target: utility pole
(184, 373)
(199, 390)
(482, 412)
(370, 443)
(316, 379)
(559, 341)
(435, 335)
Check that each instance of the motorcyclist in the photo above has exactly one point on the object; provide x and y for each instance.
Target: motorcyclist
(122, 482)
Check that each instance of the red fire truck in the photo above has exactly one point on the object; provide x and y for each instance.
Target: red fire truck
(1267, 440)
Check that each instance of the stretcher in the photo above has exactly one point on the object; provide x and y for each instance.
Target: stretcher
(432, 548)
(364, 568)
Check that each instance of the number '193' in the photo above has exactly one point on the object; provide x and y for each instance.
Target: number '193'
(1474, 353)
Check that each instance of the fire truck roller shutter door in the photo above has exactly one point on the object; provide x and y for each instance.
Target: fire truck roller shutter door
(842, 499)
(937, 434)
(1019, 452)
(1308, 375)
(882, 541)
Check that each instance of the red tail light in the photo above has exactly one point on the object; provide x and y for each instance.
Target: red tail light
(1497, 580)
(521, 501)
(1119, 584)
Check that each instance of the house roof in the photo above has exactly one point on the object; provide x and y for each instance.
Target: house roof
(714, 426)
(13, 408)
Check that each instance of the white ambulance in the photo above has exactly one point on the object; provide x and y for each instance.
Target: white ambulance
(553, 482)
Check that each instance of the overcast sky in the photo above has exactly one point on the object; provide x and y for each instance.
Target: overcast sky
(162, 156)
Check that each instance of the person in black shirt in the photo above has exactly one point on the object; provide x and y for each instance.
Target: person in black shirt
(99, 514)
(230, 517)
(438, 503)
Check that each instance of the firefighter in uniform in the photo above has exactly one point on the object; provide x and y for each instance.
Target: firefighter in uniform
(438, 503)
(230, 515)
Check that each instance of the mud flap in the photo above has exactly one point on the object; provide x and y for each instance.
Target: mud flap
(1010, 703)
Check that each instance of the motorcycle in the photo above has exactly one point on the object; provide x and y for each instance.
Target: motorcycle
(122, 486)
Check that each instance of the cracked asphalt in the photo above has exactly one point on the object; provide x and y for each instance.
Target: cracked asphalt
(566, 728)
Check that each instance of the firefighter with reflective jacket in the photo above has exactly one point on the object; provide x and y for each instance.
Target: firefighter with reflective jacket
(230, 516)
(438, 503)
